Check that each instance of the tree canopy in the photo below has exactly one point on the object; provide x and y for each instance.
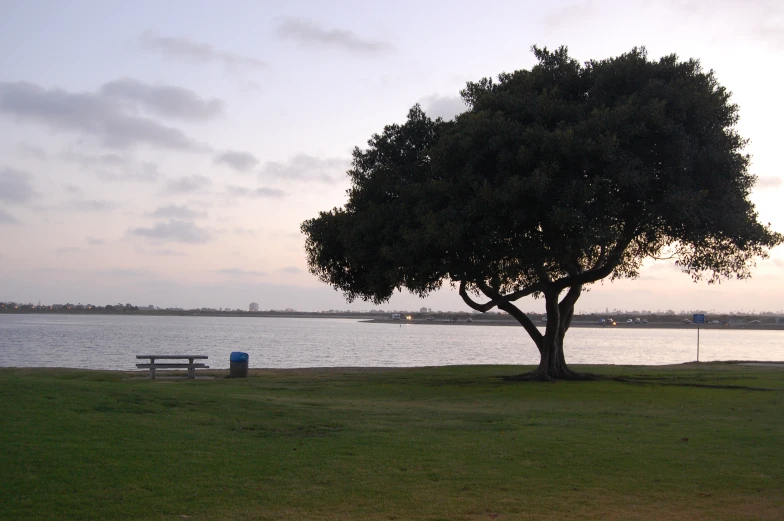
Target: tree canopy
(552, 179)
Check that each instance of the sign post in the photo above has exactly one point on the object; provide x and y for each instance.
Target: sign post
(698, 319)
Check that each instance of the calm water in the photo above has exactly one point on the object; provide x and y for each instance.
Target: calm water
(111, 342)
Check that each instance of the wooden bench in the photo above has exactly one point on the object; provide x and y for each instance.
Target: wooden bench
(152, 365)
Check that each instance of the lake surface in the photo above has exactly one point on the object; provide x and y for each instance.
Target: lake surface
(111, 342)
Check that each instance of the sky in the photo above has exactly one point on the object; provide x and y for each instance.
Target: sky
(166, 153)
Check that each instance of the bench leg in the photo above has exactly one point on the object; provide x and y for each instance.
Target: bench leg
(191, 369)
(152, 368)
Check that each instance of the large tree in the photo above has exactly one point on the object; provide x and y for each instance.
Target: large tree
(554, 178)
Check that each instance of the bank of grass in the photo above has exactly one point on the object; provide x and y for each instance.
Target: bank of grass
(451, 443)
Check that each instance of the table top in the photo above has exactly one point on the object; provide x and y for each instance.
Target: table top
(189, 357)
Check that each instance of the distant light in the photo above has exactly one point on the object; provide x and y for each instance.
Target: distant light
(408, 317)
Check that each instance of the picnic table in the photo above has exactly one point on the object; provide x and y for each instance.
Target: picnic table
(190, 365)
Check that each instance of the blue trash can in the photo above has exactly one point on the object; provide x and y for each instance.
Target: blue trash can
(238, 365)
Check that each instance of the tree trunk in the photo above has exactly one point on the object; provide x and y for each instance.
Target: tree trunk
(552, 363)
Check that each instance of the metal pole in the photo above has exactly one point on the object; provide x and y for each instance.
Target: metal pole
(698, 342)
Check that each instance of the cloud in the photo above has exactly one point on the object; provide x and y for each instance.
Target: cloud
(124, 272)
(177, 212)
(70, 249)
(307, 34)
(572, 13)
(175, 231)
(759, 19)
(768, 182)
(241, 161)
(290, 269)
(7, 218)
(267, 193)
(165, 252)
(189, 51)
(303, 167)
(445, 107)
(113, 167)
(15, 186)
(237, 272)
(164, 100)
(162, 252)
(90, 205)
(142, 173)
(112, 120)
(245, 231)
(185, 185)
(29, 150)
(110, 159)
(95, 242)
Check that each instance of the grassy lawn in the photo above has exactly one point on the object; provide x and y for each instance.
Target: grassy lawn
(686, 442)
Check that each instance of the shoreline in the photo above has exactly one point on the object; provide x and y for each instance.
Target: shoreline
(259, 371)
(582, 324)
(454, 319)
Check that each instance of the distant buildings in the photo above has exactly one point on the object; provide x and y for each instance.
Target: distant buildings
(253, 307)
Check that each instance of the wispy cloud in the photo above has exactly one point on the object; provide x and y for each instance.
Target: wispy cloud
(762, 20)
(164, 100)
(161, 252)
(28, 150)
(308, 34)
(568, 14)
(90, 205)
(257, 193)
(113, 167)
(95, 242)
(7, 218)
(186, 185)
(190, 51)
(173, 211)
(291, 269)
(240, 161)
(175, 231)
(125, 272)
(237, 272)
(16, 186)
(114, 121)
(165, 252)
(304, 167)
(246, 232)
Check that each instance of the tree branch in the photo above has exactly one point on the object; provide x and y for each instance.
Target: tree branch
(566, 306)
(601, 272)
(510, 297)
(515, 312)
(600, 258)
(473, 304)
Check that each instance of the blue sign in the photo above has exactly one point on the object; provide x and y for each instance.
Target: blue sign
(698, 318)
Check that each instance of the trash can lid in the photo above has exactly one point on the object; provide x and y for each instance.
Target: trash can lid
(238, 356)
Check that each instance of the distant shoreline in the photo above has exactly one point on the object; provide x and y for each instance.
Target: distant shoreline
(585, 324)
(440, 319)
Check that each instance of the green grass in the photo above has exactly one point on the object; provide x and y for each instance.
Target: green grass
(687, 442)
